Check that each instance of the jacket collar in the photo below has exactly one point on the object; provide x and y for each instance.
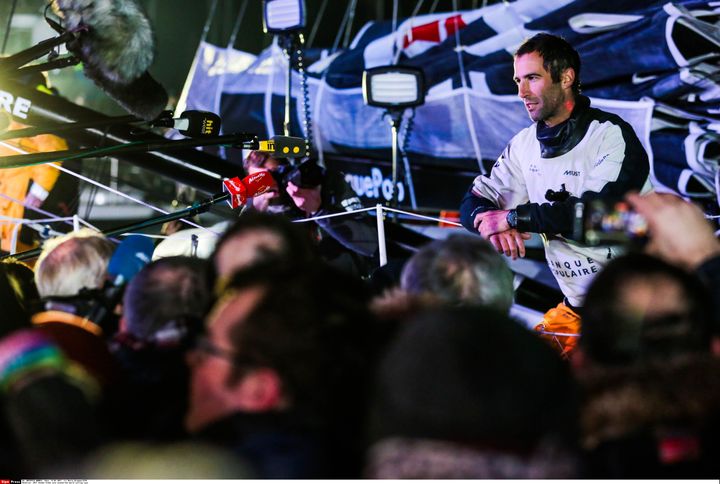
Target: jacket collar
(558, 140)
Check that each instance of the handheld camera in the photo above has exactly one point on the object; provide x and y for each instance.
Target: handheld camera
(600, 222)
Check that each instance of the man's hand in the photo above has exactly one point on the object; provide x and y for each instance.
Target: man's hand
(306, 199)
(510, 242)
(491, 222)
(679, 232)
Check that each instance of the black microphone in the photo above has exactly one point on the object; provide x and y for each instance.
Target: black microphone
(192, 123)
(115, 42)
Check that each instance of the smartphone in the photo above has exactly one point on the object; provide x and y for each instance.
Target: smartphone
(602, 223)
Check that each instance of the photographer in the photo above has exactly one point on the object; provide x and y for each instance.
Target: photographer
(307, 190)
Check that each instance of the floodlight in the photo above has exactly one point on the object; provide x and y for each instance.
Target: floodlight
(394, 87)
(283, 15)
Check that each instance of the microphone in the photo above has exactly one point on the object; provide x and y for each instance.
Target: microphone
(112, 36)
(115, 42)
(283, 147)
(250, 186)
(130, 256)
(192, 123)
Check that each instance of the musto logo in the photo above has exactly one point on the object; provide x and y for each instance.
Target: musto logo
(375, 185)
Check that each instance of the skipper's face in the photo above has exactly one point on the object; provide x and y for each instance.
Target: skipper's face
(544, 99)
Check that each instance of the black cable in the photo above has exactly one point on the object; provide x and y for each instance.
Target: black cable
(305, 93)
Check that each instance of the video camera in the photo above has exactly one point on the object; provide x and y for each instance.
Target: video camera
(307, 174)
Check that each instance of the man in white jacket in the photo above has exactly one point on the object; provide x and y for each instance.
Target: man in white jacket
(571, 153)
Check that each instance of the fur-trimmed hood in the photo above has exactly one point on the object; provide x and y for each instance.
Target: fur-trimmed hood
(621, 401)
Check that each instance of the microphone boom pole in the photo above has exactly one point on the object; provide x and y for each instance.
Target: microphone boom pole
(245, 140)
(43, 109)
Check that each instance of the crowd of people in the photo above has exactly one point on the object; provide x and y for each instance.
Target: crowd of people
(274, 358)
(264, 361)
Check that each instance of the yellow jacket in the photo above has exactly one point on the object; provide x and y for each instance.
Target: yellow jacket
(14, 182)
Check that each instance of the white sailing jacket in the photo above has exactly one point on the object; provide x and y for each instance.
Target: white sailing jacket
(594, 154)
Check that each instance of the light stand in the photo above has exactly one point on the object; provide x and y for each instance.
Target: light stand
(395, 118)
(286, 19)
(396, 89)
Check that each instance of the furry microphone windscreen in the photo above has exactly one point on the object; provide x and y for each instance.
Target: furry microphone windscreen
(119, 40)
(116, 45)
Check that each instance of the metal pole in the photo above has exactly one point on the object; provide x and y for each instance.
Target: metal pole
(246, 140)
(395, 118)
(382, 246)
(288, 85)
(198, 207)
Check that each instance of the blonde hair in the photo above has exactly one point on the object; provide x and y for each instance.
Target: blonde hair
(72, 262)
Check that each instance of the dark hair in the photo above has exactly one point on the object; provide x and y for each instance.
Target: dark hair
(22, 278)
(557, 55)
(296, 244)
(611, 335)
(14, 299)
(312, 325)
(170, 289)
(473, 375)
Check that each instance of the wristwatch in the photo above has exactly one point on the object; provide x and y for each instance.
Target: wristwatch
(512, 219)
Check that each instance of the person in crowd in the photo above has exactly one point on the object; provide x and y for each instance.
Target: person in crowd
(680, 234)
(69, 274)
(256, 237)
(650, 380)
(468, 393)
(311, 191)
(18, 295)
(280, 376)
(163, 310)
(48, 408)
(460, 269)
(571, 153)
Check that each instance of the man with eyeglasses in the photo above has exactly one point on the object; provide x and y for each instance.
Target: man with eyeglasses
(279, 376)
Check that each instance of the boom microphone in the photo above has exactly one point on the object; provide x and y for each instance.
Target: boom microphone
(283, 147)
(114, 40)
(114, 36)
(250, 186)
(192, 123)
